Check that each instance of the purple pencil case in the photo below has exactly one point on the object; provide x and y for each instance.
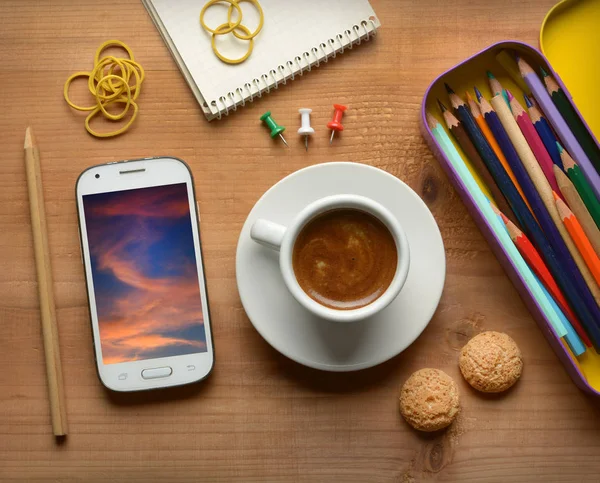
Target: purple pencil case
(585, 369)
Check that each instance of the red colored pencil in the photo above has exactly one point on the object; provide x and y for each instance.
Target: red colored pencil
(534, 140)
(535, 262)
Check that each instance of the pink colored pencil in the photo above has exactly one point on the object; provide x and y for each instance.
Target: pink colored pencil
(533, 139)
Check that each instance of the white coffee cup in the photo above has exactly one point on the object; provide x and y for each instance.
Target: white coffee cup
(282, 238)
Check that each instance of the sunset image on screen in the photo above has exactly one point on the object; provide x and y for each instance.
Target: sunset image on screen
(144, 273)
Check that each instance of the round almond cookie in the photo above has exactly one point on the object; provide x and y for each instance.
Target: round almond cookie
(429, 400)
(491, 362)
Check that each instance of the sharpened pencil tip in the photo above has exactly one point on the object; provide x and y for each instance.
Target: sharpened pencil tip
(528, 102)
(509, 95)
(556, 197)
(544, 73)
(477, 93)
(560, 148)
(448, 88)
(468, 96)
(490, 75)
(517, 56)
(442, 107)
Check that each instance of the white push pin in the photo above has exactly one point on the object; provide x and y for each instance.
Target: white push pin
(305, 130)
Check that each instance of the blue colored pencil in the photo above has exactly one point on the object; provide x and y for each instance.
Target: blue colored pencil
(566, 279)
(545, 132)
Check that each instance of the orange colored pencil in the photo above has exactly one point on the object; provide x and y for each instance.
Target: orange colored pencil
(581, 241)
(479, 119)
(535, 262)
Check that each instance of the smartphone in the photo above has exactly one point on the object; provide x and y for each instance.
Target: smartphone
(141, 251)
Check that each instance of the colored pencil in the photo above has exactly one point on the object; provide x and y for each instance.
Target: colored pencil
(496, 87)
(457, 130)
(583, 188)
(578, 208)
(564, 269)
(557, 234)
(576, 231)
(558, 123)
(479, 119)
(535, 262)
(571, 337)
(570, 280)
(533, 139)
(469, 185)
(573, 119)
(544, 130)
(509, 64)
(508, 150)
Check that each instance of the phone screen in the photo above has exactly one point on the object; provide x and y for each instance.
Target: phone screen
(144, 272)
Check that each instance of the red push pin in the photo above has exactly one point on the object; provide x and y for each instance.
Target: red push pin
(336, 123)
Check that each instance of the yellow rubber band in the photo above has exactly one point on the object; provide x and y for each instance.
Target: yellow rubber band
(109, 83)
(112, 43)
(98, 73)
(230, 26)
(66, 91)
(101, 104)
(261, 20)
(121, 130)
(226, 59)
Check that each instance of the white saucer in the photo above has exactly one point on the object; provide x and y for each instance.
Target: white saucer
(332, 346)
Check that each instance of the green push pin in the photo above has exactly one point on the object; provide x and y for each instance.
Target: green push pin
(275, 128)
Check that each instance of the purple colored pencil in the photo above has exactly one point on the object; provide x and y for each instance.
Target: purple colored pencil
(560, 126)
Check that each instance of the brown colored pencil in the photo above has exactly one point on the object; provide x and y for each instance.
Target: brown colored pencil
(577, 205)
(45, 287)
(458, 131)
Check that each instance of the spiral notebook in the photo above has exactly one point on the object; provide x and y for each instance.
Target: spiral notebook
(297, 36)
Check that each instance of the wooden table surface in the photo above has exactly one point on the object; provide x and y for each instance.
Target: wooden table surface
(260, 416)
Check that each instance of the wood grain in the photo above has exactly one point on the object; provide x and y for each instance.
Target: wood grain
(261, 417)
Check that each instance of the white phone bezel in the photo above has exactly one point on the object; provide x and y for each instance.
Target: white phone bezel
(125, 175)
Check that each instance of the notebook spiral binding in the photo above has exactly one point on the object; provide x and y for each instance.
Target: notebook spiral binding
(300, 64)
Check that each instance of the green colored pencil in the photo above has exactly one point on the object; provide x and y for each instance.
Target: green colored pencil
(581, 185)
(571, 117)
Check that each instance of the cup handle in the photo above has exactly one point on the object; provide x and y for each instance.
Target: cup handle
(268, 233)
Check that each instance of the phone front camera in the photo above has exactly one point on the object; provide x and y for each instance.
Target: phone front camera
(97, 176)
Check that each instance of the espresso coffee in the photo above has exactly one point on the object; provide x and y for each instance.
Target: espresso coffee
(344, 259)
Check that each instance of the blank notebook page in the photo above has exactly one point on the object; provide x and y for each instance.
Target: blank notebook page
(290, 29)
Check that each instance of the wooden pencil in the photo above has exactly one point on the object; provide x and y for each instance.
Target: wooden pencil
(45, 287)
(550, 222)
(578, 207)
(569, 114)
(479, 119)
(576, 231)
(496, 87)
(583, 188)
(535, 262)
(533, 139)
(561, 128)
(457, 130)
(569, 279)
(544, 130)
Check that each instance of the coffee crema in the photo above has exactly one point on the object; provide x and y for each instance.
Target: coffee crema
(344, 259)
